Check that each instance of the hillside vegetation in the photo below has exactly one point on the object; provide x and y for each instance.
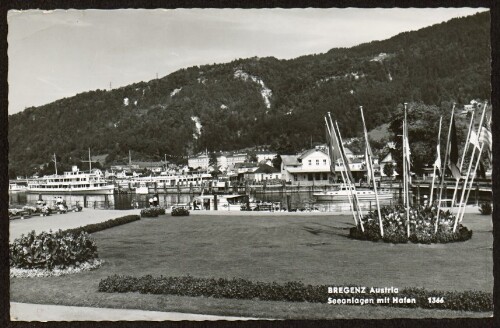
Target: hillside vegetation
(261, 101)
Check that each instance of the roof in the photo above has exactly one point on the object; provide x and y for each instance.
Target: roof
(289, 160)
(309, 151)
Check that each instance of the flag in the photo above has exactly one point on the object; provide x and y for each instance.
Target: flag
(474, 139)
(437, 163)
(333, 151)
(486, 140)
(453, 152)
(407, 152)
(368, 161)
(343, 155)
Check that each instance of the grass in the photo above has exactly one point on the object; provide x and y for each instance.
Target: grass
(312, 249)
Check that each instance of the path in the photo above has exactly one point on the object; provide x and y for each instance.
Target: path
(40, 312)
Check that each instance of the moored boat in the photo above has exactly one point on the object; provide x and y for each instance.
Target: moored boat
(224, 202)
(74, 182)
(343, 193)
(14, 187)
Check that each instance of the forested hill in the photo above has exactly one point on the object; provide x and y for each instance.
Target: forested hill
(259, 101)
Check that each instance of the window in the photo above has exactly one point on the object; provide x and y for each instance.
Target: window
(310, 162)
(317, 162)
(324, 162)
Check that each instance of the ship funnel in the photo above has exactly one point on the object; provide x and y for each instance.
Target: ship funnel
(74, 169)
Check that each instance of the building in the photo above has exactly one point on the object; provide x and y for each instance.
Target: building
(200, 161)
(262, 173)
(313, 167)
(263, 155)
(235, 158)
(309, 167)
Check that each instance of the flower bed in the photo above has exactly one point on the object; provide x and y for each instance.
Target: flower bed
(56, 271)
(152, 212)
(422, 226)
(289, 292)
(49, 250)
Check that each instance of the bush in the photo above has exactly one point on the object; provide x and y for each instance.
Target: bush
(486, 208)
(289, 292)
(152, 212)
(422, 226)
(180, 211)
(91, 228)
(48, 250)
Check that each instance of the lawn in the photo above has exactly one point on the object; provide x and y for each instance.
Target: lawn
(312, 249)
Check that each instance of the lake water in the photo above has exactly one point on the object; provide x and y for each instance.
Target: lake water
(298, 200)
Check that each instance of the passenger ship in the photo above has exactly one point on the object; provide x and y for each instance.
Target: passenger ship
(343, 193)
(74, 182)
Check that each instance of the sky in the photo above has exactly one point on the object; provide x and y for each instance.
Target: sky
(57, 54)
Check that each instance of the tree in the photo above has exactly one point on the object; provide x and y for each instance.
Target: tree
(212, 160)
(389, 169)
(277, 162)
(252, 157)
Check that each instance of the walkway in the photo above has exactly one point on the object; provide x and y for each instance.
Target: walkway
(40, 312)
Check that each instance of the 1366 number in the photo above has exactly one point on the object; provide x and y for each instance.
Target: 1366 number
(435, 300)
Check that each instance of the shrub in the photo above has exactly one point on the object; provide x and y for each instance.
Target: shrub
(91, 228)
(486, 208)
(152, 212)
(180, 211)
(48, 250)
(422, 226)
(294, 291)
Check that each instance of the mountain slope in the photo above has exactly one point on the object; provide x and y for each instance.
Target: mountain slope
(259, 101)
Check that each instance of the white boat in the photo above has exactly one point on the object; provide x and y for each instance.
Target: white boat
(74, 182)
(14, 187)
(343, 193)
(224, 202)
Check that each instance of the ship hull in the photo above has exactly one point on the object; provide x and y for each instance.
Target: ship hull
(73, 191)
(367, 196)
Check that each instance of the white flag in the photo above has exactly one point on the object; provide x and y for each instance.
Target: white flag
(437, 163)
(474, 139)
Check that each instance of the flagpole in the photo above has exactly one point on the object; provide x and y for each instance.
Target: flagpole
(444, 168)
(478, 161)
(439, 156)
(463, 158)
(407, 172)
(341, 173)
(368, 150)
(352, 187)
(480, 128)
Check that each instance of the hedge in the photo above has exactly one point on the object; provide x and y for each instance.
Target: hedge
(91, 228)
(289, 292)
(179, 211)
